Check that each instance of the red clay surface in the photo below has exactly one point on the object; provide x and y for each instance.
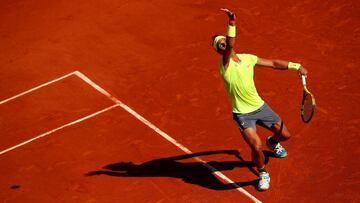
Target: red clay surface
(155, 56)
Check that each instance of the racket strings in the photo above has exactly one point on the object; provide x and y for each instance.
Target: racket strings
(308, 107)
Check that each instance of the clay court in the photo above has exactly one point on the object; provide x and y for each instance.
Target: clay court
(122, 101)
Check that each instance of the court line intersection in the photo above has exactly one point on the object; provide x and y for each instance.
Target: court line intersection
(118, 103)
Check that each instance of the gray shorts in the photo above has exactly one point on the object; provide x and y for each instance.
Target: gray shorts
(264, 116)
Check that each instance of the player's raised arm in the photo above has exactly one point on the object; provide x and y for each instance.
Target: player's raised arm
(224, 45)
(230, 36)
(282, 65)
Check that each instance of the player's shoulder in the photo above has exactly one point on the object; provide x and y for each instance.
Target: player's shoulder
(247, 57)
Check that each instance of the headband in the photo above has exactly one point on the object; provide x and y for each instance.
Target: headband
(216, 40)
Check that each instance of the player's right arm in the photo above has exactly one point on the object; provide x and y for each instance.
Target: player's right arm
(230, 39)
(281, 65)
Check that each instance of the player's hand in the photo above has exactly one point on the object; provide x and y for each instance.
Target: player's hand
(229, 13)
(302, 71)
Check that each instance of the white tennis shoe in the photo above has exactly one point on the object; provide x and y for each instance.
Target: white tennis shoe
(264, 181)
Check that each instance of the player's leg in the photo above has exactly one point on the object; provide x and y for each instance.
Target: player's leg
(270, 120)
(281, 133)
(248, 130)
(253, 140)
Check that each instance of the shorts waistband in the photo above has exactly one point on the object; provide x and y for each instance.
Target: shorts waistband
(250, 113)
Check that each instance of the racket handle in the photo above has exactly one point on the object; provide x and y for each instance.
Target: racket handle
(303, 78)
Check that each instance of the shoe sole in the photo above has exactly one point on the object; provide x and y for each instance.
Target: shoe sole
(281, 156)
(263, 189)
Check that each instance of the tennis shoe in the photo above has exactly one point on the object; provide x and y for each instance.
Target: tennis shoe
(264, 181)
(279, 151)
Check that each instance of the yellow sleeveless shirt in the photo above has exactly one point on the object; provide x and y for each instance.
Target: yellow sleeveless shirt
(239, 83)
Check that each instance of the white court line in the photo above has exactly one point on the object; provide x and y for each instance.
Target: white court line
(35, 88)
(166, 136)
(132, 112)
(59, 128)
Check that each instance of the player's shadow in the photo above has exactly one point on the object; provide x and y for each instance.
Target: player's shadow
(190, 172)
(267, 155)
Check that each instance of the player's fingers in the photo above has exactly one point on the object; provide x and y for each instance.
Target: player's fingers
(227, 11)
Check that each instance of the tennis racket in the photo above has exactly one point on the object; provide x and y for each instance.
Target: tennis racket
(307, 104)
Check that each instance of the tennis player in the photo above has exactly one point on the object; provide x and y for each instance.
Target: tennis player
(237, 71)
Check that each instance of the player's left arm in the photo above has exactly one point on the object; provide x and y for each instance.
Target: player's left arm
(281, 65)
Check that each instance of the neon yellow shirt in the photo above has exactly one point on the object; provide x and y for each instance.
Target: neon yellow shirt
(239, 83)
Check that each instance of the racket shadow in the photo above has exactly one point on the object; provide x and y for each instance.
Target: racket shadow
(190, 172)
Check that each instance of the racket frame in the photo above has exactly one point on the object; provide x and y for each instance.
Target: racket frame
(313, 103)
